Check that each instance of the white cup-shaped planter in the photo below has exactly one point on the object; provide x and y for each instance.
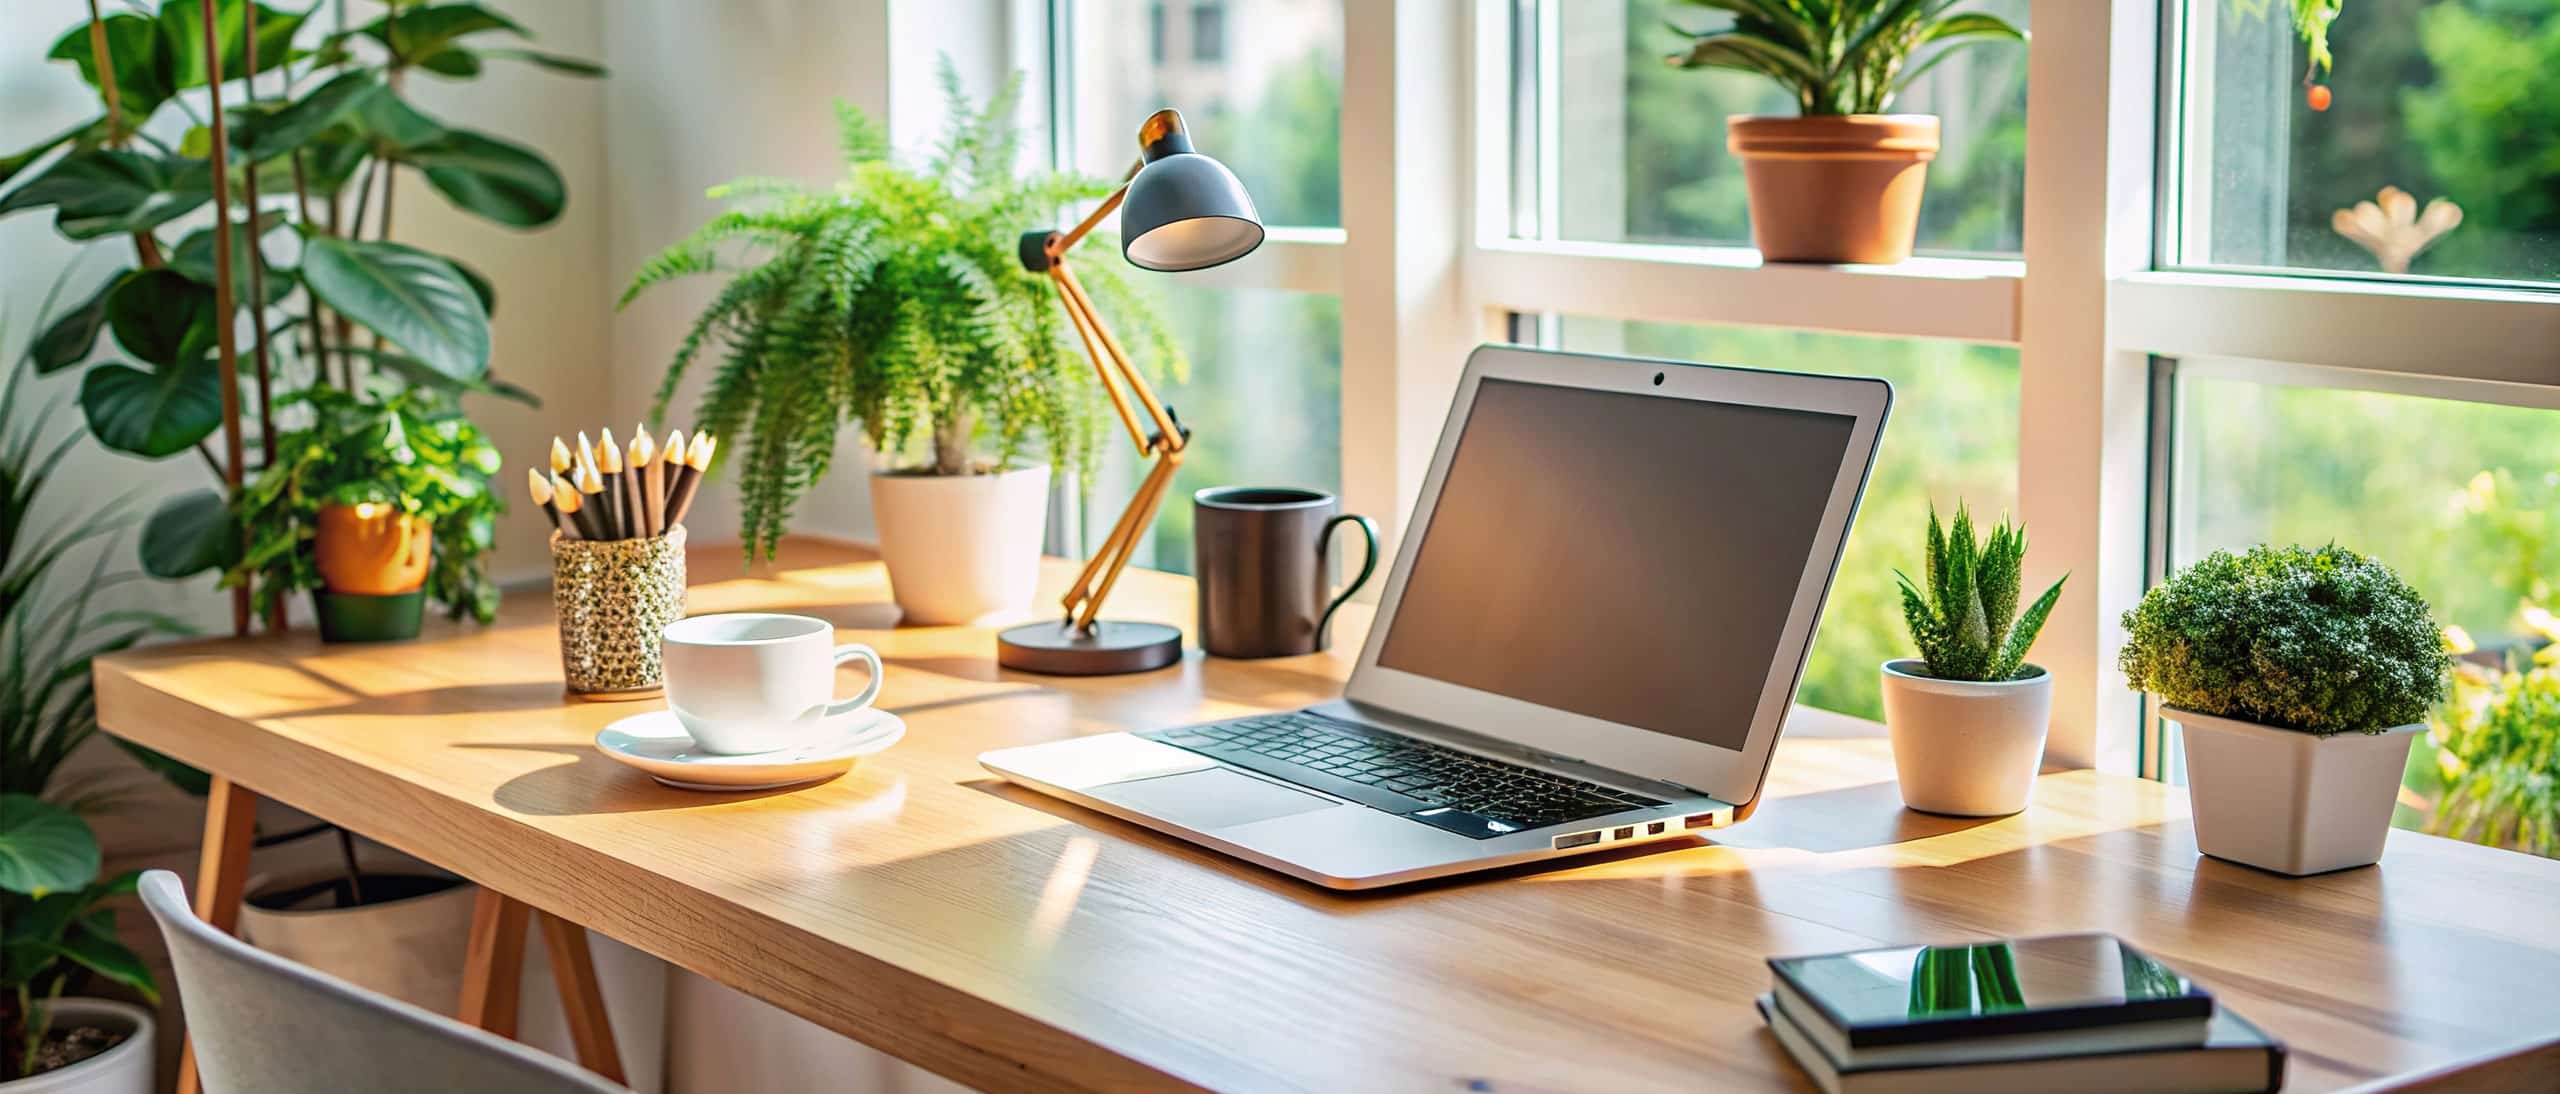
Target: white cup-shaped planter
(124, 1069)
(1967, 748)
(2287, 801)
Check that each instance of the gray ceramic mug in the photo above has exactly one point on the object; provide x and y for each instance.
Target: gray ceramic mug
(1262, 558)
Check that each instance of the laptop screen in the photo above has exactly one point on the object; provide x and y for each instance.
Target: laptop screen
(1624, 557)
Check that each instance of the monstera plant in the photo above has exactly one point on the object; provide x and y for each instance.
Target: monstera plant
(316, 133)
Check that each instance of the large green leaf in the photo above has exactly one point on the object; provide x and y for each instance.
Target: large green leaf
(411, 298)
(43, 847)
(162, 316)
(264, 135)
(101, 191)
(566, 66)
(156, 413)
(67, 340)
(92, 945)
(91, 132)
(189, 534)
(388, 119)
(194, 258)
(503, 181)
(422, 32)
(146, 73)
(181, 27)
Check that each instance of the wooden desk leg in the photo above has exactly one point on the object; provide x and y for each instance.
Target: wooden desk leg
(493, 968)
(222, 870)
(581, 998)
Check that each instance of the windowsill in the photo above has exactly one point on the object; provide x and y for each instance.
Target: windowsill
(1959, 299)
(1747, 258)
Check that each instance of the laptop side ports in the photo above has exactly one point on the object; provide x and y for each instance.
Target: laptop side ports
(1578, 839)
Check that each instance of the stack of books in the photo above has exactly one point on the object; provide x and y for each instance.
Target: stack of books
(2068, 1012)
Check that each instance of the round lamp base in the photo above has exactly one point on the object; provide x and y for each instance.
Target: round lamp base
(1109, 649)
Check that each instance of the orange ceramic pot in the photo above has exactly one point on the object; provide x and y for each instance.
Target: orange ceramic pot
(372, 550)
(1840, 188)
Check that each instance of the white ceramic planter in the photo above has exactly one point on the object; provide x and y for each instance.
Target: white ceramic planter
(961, 547)
(124, 1069)
(1966, 748)
(2291, 802)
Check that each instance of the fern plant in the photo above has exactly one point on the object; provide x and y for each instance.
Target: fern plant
(895, 299)
(1966, 622)
(1838, 56)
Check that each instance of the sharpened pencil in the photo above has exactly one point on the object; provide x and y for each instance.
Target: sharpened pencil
(647, 507)
(619, 518)
(670, 472)
(541, 489)
(582, 524)
(559, 457)
(594, 500)
(697, 459)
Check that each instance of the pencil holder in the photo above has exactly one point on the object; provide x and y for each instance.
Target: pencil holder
(614, 598)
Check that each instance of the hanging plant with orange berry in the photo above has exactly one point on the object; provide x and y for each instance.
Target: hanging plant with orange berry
(2311, 19)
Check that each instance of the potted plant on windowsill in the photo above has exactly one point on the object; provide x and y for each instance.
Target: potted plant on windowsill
(380, 504)
(1968, 716)
(2299, 677)
(896, 299)
(54, 927)
(1840, 182)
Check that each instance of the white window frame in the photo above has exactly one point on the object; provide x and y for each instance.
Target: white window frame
(1427, 264)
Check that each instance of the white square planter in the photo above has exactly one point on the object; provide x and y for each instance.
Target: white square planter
(2291, 802)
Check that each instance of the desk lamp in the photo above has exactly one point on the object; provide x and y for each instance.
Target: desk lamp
(1179, 210)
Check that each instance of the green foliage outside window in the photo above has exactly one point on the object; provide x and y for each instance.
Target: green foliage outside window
(2494, 765)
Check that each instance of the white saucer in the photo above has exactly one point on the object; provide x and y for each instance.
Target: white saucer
(656, 743)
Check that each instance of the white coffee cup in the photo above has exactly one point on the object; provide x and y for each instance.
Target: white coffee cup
(756, 681)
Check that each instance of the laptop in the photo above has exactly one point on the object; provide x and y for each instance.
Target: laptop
(1591, 635)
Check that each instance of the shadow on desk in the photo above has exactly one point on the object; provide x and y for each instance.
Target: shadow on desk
(590, 783)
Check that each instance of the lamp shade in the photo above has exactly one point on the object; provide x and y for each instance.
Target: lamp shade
(1184, 211)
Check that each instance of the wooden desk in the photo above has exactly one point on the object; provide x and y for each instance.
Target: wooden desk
(1013, 942)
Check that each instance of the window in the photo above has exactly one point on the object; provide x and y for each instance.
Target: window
(2453, 104)
(1952, 436)
(1208, 33)
(1264, 394)
(1263, 401)
(1155, 33)
(2459, 498)
(1628, 149)
(1271, 108)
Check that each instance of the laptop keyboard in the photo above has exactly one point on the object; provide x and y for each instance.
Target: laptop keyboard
(1443, 787)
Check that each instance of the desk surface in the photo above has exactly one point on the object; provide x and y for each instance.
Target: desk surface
(1014, 942)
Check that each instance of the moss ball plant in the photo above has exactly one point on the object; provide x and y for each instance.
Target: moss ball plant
(2321, 641)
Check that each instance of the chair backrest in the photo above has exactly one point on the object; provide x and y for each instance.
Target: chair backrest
(262, 1023)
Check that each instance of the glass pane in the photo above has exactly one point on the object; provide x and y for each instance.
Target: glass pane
(1267, 103)
(2452, 104)
(1263, 401)
(2461, 499)
(1640, 153)
(1952, 436)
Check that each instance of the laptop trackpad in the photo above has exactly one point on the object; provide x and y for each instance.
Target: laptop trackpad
(1215, 798)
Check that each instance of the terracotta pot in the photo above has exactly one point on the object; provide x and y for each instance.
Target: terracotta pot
(372, 550)
(1843, 188)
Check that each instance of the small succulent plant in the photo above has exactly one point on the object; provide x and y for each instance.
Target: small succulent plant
(1966, 622)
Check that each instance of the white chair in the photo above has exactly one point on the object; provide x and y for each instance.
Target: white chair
(262, 1023)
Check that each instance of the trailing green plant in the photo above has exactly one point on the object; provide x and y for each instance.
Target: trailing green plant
(2310, 18)
(406, 449)
(2322, 641)
(896, 299)
(1838, 56)
(322, 115)
(2497, 739)
(1966, 623)
(54, 924)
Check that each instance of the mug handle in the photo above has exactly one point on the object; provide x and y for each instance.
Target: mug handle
(870, 691)
(1369, 565)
